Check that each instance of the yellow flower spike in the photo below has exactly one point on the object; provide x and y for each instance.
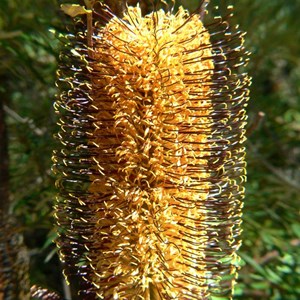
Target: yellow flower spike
(152, 161)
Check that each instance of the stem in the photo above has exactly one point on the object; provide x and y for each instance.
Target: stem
(89, 17)
(256, 123)
(4, 166)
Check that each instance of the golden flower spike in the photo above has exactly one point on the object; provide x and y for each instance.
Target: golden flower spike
(151, 167)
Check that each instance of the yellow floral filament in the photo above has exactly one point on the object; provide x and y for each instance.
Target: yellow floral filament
(151, 172)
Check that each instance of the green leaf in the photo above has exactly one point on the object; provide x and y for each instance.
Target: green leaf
(288, 259)
(273, 277)
(74, 10)
(284, 269)
(253, 263)
(296, 229)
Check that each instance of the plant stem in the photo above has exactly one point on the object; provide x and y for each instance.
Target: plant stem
(4, 166)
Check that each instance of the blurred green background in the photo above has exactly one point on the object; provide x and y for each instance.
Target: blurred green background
(270, 255)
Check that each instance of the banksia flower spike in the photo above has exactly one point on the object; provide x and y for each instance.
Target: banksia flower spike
(151, 167)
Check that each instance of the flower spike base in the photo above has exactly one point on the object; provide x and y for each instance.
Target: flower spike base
(151, 167)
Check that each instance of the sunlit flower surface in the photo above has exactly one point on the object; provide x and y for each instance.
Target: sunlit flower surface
(151, 168)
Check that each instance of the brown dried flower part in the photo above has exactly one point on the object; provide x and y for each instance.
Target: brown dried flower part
(14, 261)
(151, 168)
(40, 293)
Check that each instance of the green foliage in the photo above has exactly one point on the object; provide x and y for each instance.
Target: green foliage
(270, 255)
(270, 252)
(27, 71)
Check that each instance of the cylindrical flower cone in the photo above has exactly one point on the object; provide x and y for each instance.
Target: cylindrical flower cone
(151, 168)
